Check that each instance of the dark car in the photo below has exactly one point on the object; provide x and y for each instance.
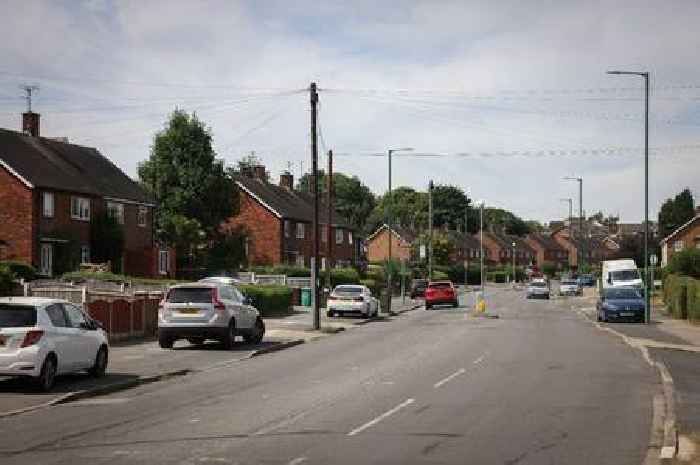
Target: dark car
(621, 304)
(586, 280)
(418, 287)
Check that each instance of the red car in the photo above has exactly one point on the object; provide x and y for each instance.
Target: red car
(440, 292)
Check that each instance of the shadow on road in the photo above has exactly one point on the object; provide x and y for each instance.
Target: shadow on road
(64, 383)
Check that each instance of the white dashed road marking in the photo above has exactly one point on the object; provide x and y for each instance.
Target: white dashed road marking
(449, 378)
(381, 417)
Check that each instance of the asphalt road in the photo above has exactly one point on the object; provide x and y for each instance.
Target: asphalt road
(538, 385)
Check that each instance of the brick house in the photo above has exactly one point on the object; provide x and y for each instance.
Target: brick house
(547, 250)
(498, 249)
(401, 243)
(597, 248)
(467, 248)
(50, 194)
(686, 236)
(277, 222)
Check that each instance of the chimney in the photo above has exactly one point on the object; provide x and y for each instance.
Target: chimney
(30, 123)
(259, 173)
(287, 180)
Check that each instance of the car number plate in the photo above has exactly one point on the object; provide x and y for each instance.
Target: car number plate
(189, 311)
(626, 313)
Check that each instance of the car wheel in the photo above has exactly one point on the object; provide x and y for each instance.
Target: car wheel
(256, 334)
(100, 366)
(195, 341)
(230, 337)
(455, 304)
(47, 376)
(165, 342)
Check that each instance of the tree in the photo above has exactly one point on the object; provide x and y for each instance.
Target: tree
(409, 209)
(501, 219)
(106, 241)
(534, 226)
(686, 262)
(675, 212)
(193, 192)
(247, 162)
(352, 199)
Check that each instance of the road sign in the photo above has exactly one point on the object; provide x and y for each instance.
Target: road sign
(653, 259)
(422, 251)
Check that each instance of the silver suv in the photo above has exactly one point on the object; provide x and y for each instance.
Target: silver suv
(205, 310)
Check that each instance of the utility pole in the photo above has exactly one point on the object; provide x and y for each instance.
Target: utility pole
(647, 297)
(481, 252)
(581, 234)
(430, 226)
(329, 222)
(464, 246)
(514, 279)
(314, 190)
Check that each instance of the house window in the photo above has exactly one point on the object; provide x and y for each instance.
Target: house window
(300, 260)
(48, 204)
(142, 216)
(163, 262)
(324, 233)
(85, 254)
(350, 237)
(116, 210)
(80, 208)
(338, 236)
(678, 246)
(323, 263)
(300, 230)
(287, 227)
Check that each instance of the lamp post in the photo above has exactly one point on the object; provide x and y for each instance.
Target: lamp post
(582, 257)
(647, 300)
(513, 244)
(389, 218)
(481, 249)
(571, 214)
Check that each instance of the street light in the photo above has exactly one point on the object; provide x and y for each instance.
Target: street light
(513, 244)
(645, 75)
(580, 217)
(481, 249)
(388, 214)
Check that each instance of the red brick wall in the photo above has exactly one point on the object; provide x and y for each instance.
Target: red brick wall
(341, 252)
(492, 250)
(263, 229)
(687, 236)
(378, 248)
(562, 239)
(16, 219)
(62, 225)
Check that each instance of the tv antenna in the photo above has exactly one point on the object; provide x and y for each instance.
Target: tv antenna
(29, 89)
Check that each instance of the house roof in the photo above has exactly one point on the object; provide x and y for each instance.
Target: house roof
(403, 233)
(286, 203)
(467, 241)
(505, 241)
(681, 228)
(546, 241)
(46, 163)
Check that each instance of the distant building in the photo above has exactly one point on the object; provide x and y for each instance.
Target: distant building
(401, 242)
(547, 250)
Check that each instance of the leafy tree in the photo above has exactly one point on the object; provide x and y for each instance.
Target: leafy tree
(449, 203)
(498, 218)
(352, 199)
(106, 241)
(409, 209)
(675, 212)
(686, 262)
(443, 247)
(534, 226)
(193, 192)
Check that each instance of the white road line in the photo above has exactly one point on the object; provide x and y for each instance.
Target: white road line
(381, 417)
(297, 461)
(479, 360)
(449, 378)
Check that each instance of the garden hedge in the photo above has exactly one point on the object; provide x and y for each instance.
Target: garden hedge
(6, 280)
(20, 270)
(693, 300)
(269, 299)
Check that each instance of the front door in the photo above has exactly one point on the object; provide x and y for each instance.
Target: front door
(46, 259)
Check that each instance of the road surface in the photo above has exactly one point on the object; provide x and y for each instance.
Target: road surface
(539, 385)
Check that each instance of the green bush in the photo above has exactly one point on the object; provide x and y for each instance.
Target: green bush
(21, 270)
(440, 275)
(6, 280)
(693, 300)
(80, 276)
(686, 263)
(676, 295)
(372, 285)
(269, 299)
(289, 270)
(549, 269)
(344, 276)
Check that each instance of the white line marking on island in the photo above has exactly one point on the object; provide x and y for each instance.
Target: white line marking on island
(381, 417)
(449, 378)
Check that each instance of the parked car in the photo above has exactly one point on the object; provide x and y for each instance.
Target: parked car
(41, 338)
(352, 299)
(440, 293)
(208, 310)
(620, 304)
(537, 289)
(586, 280)
(570, 287)
(418, 287)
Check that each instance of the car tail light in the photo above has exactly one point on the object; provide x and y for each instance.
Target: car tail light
(218, 305)
(31, 338)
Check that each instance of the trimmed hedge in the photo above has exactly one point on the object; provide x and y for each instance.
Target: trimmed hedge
(289, 270)
(269, 299)
(6, 280)
(693, 300)
(20, 270)
(344, 276)
(79, 276)
(372, 285)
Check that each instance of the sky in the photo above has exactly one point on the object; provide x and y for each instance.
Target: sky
(501, 98)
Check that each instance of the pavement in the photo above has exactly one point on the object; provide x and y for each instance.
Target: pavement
(537, 385)
(675, 344)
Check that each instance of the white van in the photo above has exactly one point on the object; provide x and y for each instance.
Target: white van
(620, 273)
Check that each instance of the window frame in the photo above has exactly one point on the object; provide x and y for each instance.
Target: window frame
(300, 230)
(163, 270)
(339, 238)
(48, 212)
(84, 253)
(83, 208)
(300, 262)
(118, 208)
(142, 216)
(678, 246)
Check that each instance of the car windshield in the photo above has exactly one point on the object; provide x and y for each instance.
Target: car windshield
(195, 295)
(440, 285)
(569, 283)
(622, 293)
(538, 284)
(624, 275)
(17, 316)
(347, 290)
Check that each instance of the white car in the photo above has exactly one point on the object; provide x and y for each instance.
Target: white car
(537, 289)
(352, 298)
(208, 310)
(41, 338)
(570, 287)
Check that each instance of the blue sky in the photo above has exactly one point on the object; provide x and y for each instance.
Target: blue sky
(488, 79)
